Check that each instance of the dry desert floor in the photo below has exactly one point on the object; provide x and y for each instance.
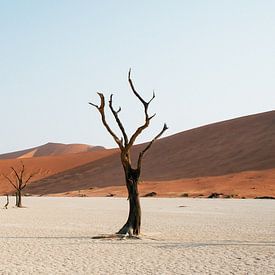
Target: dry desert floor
(179, 236)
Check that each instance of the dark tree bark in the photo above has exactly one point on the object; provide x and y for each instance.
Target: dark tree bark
(8, 201)
(19, 183)
(132, 225)
(16, 198)
(19, 199)
(132, 174)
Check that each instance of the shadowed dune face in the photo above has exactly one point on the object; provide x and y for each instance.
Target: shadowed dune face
(232, 146)
(212, 151)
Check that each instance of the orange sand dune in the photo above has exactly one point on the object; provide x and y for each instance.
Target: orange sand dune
(249, 184)
(233, 146)
(47, 166)
(51, 149)
(220, 149)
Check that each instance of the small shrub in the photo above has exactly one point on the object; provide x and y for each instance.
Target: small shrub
(151, 194)
(214, 195)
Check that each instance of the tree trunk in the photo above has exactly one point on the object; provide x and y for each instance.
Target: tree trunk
(16, 198)
(132, 226)
(19, 198)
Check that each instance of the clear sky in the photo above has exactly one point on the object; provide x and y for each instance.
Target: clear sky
(206, 60)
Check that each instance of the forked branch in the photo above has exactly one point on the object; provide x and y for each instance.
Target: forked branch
(29, 178)
(141, 154)
(22, 170)
(16, 174)
(10, 181)
(19, 183)
(145, 105)
(118, 121)
(101, 109)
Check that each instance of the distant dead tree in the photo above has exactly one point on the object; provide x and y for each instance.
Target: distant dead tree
(19, 182)
(132, 174)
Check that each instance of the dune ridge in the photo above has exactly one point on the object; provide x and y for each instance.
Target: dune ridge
(51, 149)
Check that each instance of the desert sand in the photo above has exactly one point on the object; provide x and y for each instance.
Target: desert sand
(234, 157)
(250, 184)
(47, 166)
(51, 149)
(179, 236)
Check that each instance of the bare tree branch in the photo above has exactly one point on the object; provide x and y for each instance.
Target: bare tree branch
(16, 174)
(134, 89)
(7, 203)
(115, 113)
(22, 171)
(94, 105)
(136, 93)
(141, 154)
(10, 181)
(101, 110)
(154, 95)
(145, 105)
(28, 179)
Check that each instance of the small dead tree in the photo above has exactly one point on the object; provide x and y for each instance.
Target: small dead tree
(19, 182)
(132, 174)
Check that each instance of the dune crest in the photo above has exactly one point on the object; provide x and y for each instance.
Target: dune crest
(28, 155)
(51, 149)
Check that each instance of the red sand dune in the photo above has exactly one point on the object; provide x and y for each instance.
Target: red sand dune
(209, 155)
(249, 184)
(47, 166)
(51, 149)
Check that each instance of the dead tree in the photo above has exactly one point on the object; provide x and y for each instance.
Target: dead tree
(19, 182)
(132, 174)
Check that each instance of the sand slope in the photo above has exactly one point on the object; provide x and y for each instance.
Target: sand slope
(47, 166)
(229, 147)
(197, 161)
(249, 184)
(51, 149)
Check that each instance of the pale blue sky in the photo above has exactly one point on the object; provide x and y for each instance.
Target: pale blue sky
(206, 60)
